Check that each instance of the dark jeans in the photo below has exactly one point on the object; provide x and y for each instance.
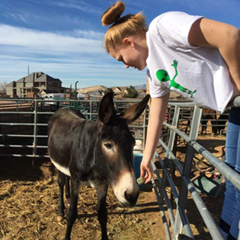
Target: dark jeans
(231, 207)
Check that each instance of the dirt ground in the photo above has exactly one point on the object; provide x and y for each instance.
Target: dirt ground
(29, 201)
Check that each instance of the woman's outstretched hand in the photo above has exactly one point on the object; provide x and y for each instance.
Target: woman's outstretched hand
(146, 170)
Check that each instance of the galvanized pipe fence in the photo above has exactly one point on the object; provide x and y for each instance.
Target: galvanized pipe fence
(178, 221)
(23, 123)
(26, 119)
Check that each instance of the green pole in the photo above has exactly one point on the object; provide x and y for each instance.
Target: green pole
(75, 97)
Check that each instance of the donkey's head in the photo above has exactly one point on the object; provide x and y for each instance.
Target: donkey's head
(114, 148)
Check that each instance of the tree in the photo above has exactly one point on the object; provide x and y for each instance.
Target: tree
(107, 90)
(131, 92)
(3, 86)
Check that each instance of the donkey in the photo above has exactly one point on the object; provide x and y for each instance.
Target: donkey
(99, 152)
(207, 115)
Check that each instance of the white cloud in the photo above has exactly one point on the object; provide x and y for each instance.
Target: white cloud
(88, 72)
(79, 5)
(48, 42)
(89, 34)
(18, 17)
(65, 57)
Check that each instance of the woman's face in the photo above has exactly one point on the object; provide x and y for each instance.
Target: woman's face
(132, 53)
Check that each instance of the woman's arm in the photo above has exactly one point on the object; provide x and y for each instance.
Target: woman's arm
(158, 109)
(209, 33)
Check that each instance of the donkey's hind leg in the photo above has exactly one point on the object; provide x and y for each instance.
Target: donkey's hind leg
(61, 207)
(67, 189)
(72, 211)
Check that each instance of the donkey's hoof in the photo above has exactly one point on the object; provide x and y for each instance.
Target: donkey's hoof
(60, 218)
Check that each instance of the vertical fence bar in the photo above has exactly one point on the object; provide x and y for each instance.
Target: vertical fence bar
(164, 220)
(35, 129)
(174, 125)
(171, 147)
(186, 172)
(167, 161)
(184, 192)
(90, 110)
(197, 114)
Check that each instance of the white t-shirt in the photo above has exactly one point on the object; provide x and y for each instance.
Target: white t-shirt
(197, 73)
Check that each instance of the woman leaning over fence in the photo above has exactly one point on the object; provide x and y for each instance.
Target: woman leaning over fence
(194, 56)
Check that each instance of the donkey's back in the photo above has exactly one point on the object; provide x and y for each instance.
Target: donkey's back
(68, 135)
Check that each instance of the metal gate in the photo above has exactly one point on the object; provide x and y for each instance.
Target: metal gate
(179, 222)
(23, 123)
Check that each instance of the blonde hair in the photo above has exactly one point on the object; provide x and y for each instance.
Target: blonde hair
(121, 27)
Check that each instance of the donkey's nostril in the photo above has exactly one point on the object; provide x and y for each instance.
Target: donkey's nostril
(131, 198)
(127, 196)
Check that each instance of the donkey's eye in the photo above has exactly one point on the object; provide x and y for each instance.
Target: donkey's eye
(108, 145)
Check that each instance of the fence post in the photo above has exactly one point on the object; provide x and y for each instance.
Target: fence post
(167, 162)
(186, 172)
(91, 109)
(172, 133)
(35, 129)
(172, 144)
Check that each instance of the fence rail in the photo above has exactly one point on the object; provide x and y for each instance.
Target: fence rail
(26, 120)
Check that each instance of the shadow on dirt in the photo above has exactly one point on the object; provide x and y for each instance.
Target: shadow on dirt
(24, 169)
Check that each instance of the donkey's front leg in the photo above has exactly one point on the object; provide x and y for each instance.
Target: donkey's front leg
(102, 210)
(72, 212)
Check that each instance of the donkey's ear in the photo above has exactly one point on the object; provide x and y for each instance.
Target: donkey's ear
(106, 108)
(134, 112)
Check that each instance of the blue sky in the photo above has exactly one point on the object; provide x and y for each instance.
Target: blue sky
(64, 38)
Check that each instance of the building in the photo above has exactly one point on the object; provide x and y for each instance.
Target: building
(120, 90)
(51, 94)
(33, 84)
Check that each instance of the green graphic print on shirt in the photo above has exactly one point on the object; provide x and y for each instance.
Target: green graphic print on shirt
(163, 76)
